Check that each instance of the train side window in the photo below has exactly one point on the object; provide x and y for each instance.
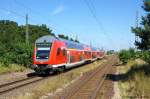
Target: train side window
(58, 51)
(64, 52)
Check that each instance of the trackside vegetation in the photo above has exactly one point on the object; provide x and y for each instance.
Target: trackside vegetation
(126, 55)
(13, 49)
(11, 68)
(60, 81)
(134, 74)
(134, 80)
(142, 33)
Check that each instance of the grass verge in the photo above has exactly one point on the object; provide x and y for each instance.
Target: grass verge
(11, 68)
(59, 81)
(134, 83)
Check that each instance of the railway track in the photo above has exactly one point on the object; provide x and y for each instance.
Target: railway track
(10, 86)
(88, 79)
(7, 87)
(89, 85)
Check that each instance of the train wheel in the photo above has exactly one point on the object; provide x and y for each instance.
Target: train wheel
(42, 72)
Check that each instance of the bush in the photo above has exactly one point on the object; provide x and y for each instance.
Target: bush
(138, 54)
(146, 56)
(131, 54)
(7, 58)
(19, 53)
(126, 55)
(23, 54)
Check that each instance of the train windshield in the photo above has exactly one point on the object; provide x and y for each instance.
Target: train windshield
(43, 51)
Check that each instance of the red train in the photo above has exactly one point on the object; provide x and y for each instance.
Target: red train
(52, 54)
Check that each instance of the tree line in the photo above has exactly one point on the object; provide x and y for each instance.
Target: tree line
(13, 49)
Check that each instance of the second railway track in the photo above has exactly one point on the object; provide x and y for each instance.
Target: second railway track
(7, 87)
(12, 85)
(89, 85)
(86, 88)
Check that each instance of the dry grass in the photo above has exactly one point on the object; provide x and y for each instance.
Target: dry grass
(59, 81)
(142, 85)
(127, 67)
(137, 83)
(11, 68)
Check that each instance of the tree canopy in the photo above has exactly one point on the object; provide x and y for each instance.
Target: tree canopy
(67, 38)
(13, 49)
(143, 31)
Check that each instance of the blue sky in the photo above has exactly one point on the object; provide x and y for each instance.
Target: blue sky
(73, 18)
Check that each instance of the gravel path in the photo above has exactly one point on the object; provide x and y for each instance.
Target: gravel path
(116, 88)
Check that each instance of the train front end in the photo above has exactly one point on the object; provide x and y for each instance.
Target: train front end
(42, 55)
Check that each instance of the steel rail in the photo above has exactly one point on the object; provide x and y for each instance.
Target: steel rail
(100, 84)
(68, 96)
(13, 82)
(16, 85)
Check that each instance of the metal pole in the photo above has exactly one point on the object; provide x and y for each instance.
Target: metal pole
(27, 29)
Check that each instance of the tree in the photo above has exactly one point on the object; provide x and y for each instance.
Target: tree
(63, 36)
(71, 39)
(36, 31)
(67, 38)
(76, 41)
(143, 31)
(13, 48)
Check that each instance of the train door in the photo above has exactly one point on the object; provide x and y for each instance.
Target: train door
(68, 57)
(61, 56)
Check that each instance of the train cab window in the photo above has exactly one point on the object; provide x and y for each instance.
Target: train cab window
(64, 52)
(58, 51)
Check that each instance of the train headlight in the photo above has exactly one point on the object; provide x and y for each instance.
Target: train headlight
(68, 52)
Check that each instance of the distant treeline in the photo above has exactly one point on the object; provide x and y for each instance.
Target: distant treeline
(13, 49)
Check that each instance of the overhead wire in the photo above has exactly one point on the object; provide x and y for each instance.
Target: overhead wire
(89, 5)
(92, 10)
(61, 28)
(16, 13)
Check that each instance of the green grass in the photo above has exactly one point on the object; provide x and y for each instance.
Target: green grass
(11, 68)
(59, 81)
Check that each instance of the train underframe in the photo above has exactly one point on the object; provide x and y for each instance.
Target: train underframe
(45, 69)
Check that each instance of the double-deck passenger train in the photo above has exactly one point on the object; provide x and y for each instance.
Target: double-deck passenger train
(55, 54)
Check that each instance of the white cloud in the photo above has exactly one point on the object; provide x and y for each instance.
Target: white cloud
(58, 10)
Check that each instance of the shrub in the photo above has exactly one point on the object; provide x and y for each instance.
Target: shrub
(7, 58)
(138, 54)
(19, 53)
(23, 54)
(146, 56)
(126, 55)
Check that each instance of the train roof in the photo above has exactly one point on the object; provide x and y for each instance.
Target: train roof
(47, 38)
(69, 44)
